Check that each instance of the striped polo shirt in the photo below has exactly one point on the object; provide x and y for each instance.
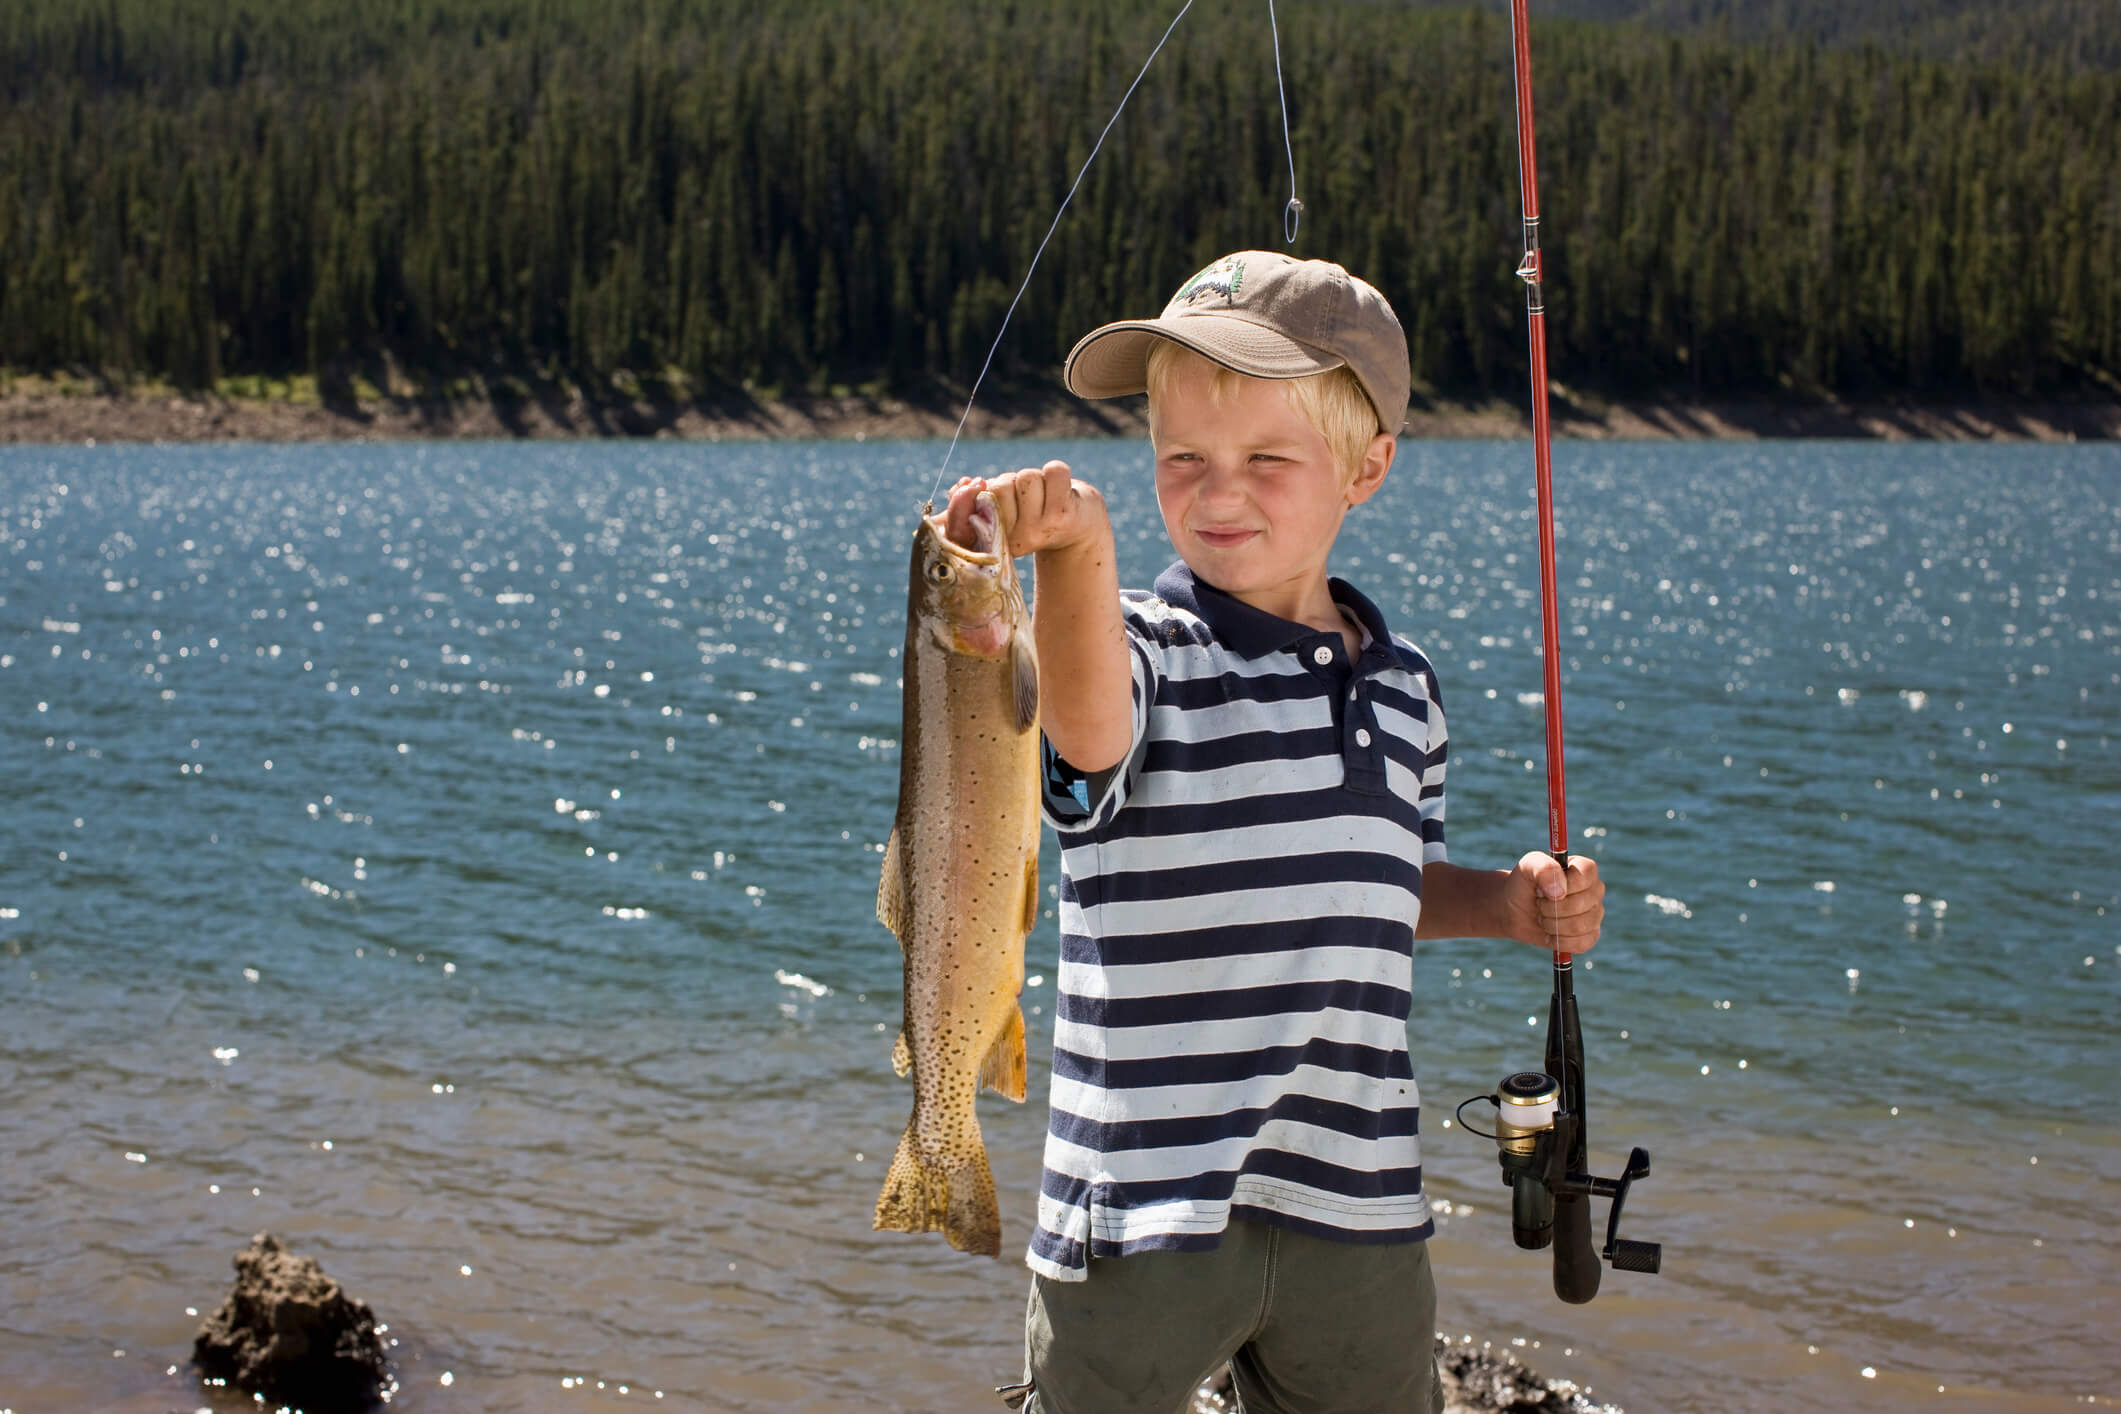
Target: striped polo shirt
(1237, 909)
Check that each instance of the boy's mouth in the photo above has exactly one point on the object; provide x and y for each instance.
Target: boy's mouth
(1222, 539)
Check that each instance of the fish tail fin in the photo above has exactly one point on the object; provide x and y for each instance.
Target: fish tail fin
(1003, 1070)
(922, 1195)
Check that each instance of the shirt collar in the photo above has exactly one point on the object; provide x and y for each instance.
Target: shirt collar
(1255, 633)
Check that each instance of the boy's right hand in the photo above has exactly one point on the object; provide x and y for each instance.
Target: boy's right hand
(1042, 508)
(1085, 705)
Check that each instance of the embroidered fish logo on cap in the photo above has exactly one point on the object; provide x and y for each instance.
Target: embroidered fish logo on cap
(1225, 277)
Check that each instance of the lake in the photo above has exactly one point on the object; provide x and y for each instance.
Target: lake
(460, 860)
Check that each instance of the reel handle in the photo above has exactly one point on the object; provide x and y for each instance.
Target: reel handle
(1631, 1256)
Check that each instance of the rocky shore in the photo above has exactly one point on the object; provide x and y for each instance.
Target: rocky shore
(288, 1334)
(41, 411)
(1477, 1379)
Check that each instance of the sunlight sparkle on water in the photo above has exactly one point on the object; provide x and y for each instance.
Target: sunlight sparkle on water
(1669, 613)
(801, 983)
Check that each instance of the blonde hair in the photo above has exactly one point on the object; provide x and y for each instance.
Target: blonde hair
(1333, 402)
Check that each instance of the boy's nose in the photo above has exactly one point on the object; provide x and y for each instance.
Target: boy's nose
(1222, 481)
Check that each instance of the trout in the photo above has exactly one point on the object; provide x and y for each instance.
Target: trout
(960, 880)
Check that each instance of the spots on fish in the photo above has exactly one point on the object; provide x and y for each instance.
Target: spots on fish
(968, 819)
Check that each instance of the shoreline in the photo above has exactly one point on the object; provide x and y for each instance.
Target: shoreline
(33, 412)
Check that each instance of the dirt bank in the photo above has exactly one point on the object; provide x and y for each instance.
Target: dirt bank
(34, 412)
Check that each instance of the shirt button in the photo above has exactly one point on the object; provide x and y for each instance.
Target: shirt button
(1362, 736)
(1321, 655)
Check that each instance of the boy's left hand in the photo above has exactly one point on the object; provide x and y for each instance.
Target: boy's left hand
(1552, 910)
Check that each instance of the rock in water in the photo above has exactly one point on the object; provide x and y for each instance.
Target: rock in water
(1489, 1381)
(290, 1333)
(1483, 1381)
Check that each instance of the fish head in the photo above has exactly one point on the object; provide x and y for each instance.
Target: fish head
(968, 597)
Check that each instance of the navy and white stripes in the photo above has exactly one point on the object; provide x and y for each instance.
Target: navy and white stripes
(1238, 903)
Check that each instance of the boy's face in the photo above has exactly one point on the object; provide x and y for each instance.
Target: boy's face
(1250, 496)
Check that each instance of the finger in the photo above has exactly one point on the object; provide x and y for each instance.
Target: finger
(1577, 902)
(1573, 924)
(1548, 879)
(1053, 482)
(957, 512)
(1576, 905)
(1559, 918)
(1574, 935)
(1058, 479)
(1023, 523)
(957, 517)
(1586, 891)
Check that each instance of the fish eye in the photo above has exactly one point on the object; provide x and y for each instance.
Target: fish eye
(940, 571)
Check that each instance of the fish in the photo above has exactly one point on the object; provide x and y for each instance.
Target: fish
(960, 876)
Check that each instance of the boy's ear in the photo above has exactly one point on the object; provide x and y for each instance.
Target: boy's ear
(1375, 463)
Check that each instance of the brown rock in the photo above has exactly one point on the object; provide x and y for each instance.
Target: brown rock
(1489, 1381)
(1482, 1381)
(290, 1333)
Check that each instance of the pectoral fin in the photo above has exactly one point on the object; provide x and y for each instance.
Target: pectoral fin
(890, 892)
(1023, 666)
(901, 1054)
(1003, 1070)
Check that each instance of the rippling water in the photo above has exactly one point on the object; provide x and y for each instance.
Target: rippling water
(460, 860)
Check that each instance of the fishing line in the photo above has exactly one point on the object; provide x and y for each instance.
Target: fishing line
(1094, 149)
(1293, 213)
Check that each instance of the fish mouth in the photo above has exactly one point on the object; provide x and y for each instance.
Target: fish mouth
(985, 525)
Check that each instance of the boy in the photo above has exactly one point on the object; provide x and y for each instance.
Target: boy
(1246, 773)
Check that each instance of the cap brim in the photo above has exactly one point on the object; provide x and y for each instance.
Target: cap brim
(1113, 360)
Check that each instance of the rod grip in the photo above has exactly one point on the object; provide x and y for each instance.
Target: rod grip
(1644, 1257)
(1576, 1264)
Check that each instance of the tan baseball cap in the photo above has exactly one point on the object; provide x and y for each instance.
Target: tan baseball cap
(1266, 314)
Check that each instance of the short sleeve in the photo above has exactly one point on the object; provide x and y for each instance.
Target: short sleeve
(1430, 802)
(1074, 802)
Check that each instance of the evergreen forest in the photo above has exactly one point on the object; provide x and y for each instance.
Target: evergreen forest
(791, 195)
(2076, 32)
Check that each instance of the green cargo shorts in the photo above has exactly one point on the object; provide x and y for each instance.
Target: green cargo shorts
(1309, 1326)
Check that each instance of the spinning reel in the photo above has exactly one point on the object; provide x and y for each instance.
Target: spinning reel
(1543, 1143)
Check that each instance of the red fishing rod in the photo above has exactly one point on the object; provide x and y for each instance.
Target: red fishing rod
(1542, 1129)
